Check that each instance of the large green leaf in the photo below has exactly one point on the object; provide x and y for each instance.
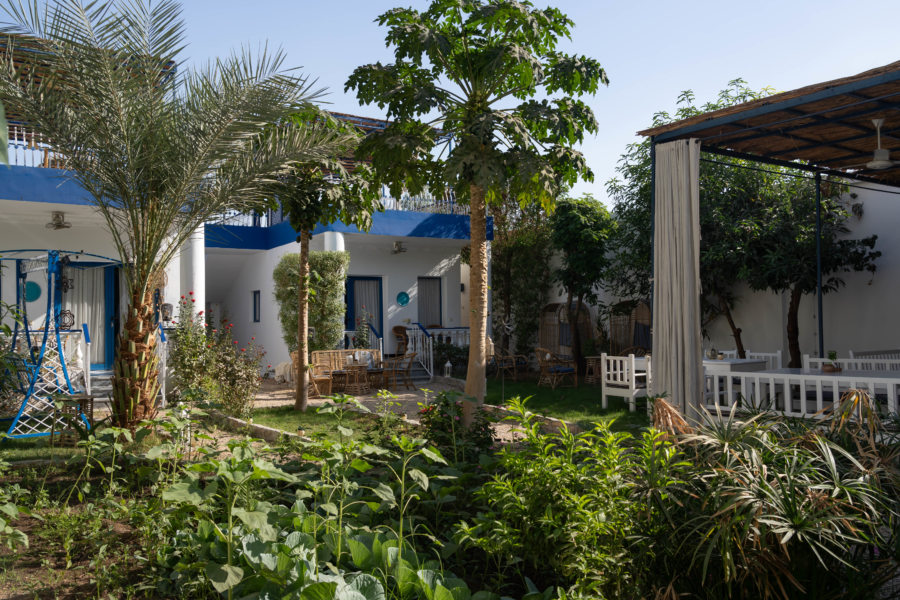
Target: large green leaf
(319, 591)
(223, 577)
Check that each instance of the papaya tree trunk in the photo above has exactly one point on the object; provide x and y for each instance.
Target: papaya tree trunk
(793, 328)
(136, 366)
(475, 375)
(302, 396)
(735, 330)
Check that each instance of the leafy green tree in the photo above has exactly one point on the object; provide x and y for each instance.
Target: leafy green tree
(785, 258)
(322, 191)
(160, 149)
(730, 198)
(580, 231)
(461, 95)
(520, 273)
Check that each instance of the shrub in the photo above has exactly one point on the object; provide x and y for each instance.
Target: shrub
(457, 355)
(235, 372)
(328, 276)
(189, 355)
(441, 421)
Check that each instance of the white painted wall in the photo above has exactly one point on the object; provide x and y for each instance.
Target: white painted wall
(232, 275)
(860, 316)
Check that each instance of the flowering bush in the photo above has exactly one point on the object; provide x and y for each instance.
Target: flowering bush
(235, 370)
(189, 352)
(441, 420)
(361, 335)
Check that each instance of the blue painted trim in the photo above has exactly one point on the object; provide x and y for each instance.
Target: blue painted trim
(87, 334)
(109, 301)
(422, 327)
(37, 184)
(394, 223)
(162, 334)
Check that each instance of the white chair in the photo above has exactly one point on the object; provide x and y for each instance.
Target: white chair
(620, 376)
(729, 353)
(773, 359)
(890, 355)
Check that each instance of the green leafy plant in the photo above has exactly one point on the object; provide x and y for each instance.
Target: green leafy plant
(441, 420)
(190, 351)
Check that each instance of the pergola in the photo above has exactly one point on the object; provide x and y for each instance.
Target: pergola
(825, 129)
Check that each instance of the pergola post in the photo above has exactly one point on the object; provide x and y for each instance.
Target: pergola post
(820, 320)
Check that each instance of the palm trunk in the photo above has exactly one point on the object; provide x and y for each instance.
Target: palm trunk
(793, 328)
(735, 330)
(302, 397)
(475, 376)
(136, 366)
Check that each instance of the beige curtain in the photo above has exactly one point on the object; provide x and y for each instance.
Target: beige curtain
(87, 301)
(677, 359)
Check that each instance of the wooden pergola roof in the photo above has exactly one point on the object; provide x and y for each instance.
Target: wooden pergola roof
(828, 126)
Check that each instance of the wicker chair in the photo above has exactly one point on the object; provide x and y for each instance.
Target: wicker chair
(510, 364)
(554, 369)
(401, 337)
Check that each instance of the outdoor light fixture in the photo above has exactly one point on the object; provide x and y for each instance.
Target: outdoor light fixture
(166, 310)
(448, 369)
(398, 247)
(58, 221)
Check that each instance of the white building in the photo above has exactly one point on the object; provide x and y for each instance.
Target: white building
(406, 270)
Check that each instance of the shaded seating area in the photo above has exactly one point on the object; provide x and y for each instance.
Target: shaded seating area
(510, 364)
(554, 370)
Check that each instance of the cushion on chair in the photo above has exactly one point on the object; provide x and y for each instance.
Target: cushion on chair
(562, 370)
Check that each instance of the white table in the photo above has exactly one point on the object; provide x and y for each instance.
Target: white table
(733, 365)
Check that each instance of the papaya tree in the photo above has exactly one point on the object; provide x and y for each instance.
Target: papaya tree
(483, 105)
(160, 149)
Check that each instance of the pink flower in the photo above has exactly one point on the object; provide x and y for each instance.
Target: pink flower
(192, 300)
(182, 297)
(235, 341)
(199, 313)
(191, 293)
(457, 418)
(244, 350)
(268, 366)
(253, 338)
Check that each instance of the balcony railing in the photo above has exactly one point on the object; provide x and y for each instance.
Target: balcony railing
(28, 148)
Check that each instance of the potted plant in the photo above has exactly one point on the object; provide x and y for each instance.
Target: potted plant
(832, 367)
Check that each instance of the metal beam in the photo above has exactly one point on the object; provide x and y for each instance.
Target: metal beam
(795, 165)
(765, 109)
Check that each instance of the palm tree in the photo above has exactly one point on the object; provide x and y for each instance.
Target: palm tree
(159, 148)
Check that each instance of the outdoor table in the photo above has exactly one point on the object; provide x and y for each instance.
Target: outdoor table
(733, 365)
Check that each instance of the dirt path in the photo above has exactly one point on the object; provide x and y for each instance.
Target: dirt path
(281, 394)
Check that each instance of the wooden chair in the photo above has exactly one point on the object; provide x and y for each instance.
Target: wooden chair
(401, 337)
(319, 383)
(404, 368)
(510, 364)
(357, 380)
(619, 376)
(389, 371)
(554, 369)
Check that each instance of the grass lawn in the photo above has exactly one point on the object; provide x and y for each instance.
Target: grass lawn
(13, 450)
(286, 418)
(579, 405)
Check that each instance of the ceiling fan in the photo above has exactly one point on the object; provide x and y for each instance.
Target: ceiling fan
(58, 221)
(881, 159)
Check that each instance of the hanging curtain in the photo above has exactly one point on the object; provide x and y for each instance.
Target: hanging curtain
(87, 301)
(677, 360)
(430, 301)
(367, 298)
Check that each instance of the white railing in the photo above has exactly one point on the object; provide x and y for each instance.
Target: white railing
(444, 205)
(853, 364)
(29, 148)
(422, 341)
(803, 394)
(348, 341)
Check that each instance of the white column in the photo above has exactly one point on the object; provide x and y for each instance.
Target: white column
(193, 269)
(333, 241)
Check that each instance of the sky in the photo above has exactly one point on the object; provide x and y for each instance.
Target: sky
(652, 50)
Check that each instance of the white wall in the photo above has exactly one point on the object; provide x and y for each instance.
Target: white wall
(860, 316)
(232, 275)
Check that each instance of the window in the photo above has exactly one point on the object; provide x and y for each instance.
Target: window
(256, 306)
